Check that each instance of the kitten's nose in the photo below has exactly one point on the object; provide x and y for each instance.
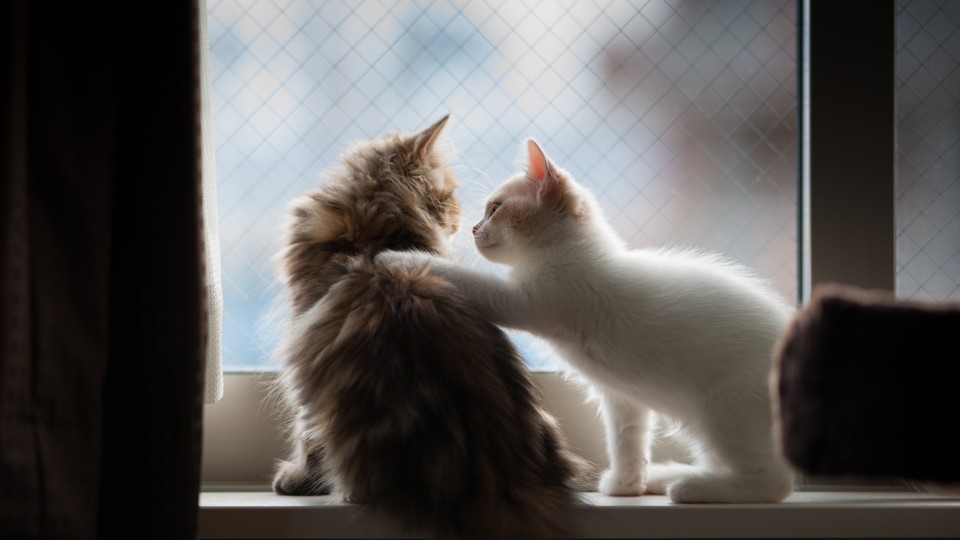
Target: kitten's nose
(475, 229)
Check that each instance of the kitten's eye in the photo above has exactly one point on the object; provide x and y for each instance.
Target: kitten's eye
(493, 207)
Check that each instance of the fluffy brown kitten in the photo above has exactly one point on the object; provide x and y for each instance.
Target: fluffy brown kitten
(402, 395)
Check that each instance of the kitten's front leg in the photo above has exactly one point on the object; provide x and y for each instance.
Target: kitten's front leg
(303, 473)
(408, 259)
(502, 301)
(628, 427)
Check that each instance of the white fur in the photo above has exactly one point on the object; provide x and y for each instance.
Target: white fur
(682, 333)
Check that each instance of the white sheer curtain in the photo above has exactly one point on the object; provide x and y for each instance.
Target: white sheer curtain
(213, 379)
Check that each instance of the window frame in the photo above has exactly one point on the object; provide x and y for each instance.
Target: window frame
(847, 145)
(242, 437)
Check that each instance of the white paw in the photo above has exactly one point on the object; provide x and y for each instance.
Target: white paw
(692, 490)
(726, 488)
(622, 484)
(657, 485)
(661, 475)
(402, 259)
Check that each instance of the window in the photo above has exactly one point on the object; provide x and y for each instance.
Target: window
(928, 150)
(680, 115)
(273, 139)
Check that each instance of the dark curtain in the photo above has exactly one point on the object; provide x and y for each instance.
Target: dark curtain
(102, 308)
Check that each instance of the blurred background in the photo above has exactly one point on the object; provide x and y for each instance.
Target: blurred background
(680, 115)
(928, 150)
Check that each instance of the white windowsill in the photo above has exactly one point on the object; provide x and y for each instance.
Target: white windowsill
(810, 514)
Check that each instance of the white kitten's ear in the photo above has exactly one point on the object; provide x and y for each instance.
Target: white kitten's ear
(541, 171)
(425, 140)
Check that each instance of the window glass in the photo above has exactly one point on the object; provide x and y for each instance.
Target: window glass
(681, 116)
(928, 150)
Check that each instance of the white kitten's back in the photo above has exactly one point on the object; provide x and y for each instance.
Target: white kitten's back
(682, 332)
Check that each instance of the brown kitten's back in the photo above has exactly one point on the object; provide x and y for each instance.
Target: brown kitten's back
(405, 397)
(427, 410)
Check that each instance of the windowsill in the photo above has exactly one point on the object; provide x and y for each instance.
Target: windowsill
(806, 514)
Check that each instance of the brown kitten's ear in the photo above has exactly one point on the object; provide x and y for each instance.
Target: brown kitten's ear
(424, 140)
(541, 171)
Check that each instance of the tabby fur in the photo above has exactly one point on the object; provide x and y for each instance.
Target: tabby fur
(401, 394)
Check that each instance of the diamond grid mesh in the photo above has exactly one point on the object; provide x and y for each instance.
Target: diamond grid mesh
(928, 150)
(680, 115)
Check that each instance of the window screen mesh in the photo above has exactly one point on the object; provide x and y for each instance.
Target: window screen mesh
(679, 115)
(928, 150)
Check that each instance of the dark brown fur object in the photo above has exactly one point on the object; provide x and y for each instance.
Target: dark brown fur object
(404, 396)
(868, 387)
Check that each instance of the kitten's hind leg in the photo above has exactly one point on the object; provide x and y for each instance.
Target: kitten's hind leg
(748, 468)
(628, 428)
(661, 475)
(755, 486)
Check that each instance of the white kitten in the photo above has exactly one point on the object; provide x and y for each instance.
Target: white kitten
(685, 334)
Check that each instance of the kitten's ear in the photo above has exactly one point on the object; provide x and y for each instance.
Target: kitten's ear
(541, 171)
(425, 140)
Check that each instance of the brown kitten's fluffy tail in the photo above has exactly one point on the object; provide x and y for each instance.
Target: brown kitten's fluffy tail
(536, 503)
(525, 514)
(541, 507)
(531, 513)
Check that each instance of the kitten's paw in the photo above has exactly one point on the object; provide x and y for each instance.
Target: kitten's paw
(293, 480)
(693, 489)
(403, 259)
(729, 488)
(622, 483)
(661, 475)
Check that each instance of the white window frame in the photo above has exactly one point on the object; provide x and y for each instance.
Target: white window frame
(847, 199)
(846, 222)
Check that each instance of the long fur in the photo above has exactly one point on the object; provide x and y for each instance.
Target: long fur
(863, 383)
(403, 395)
(684, 334)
